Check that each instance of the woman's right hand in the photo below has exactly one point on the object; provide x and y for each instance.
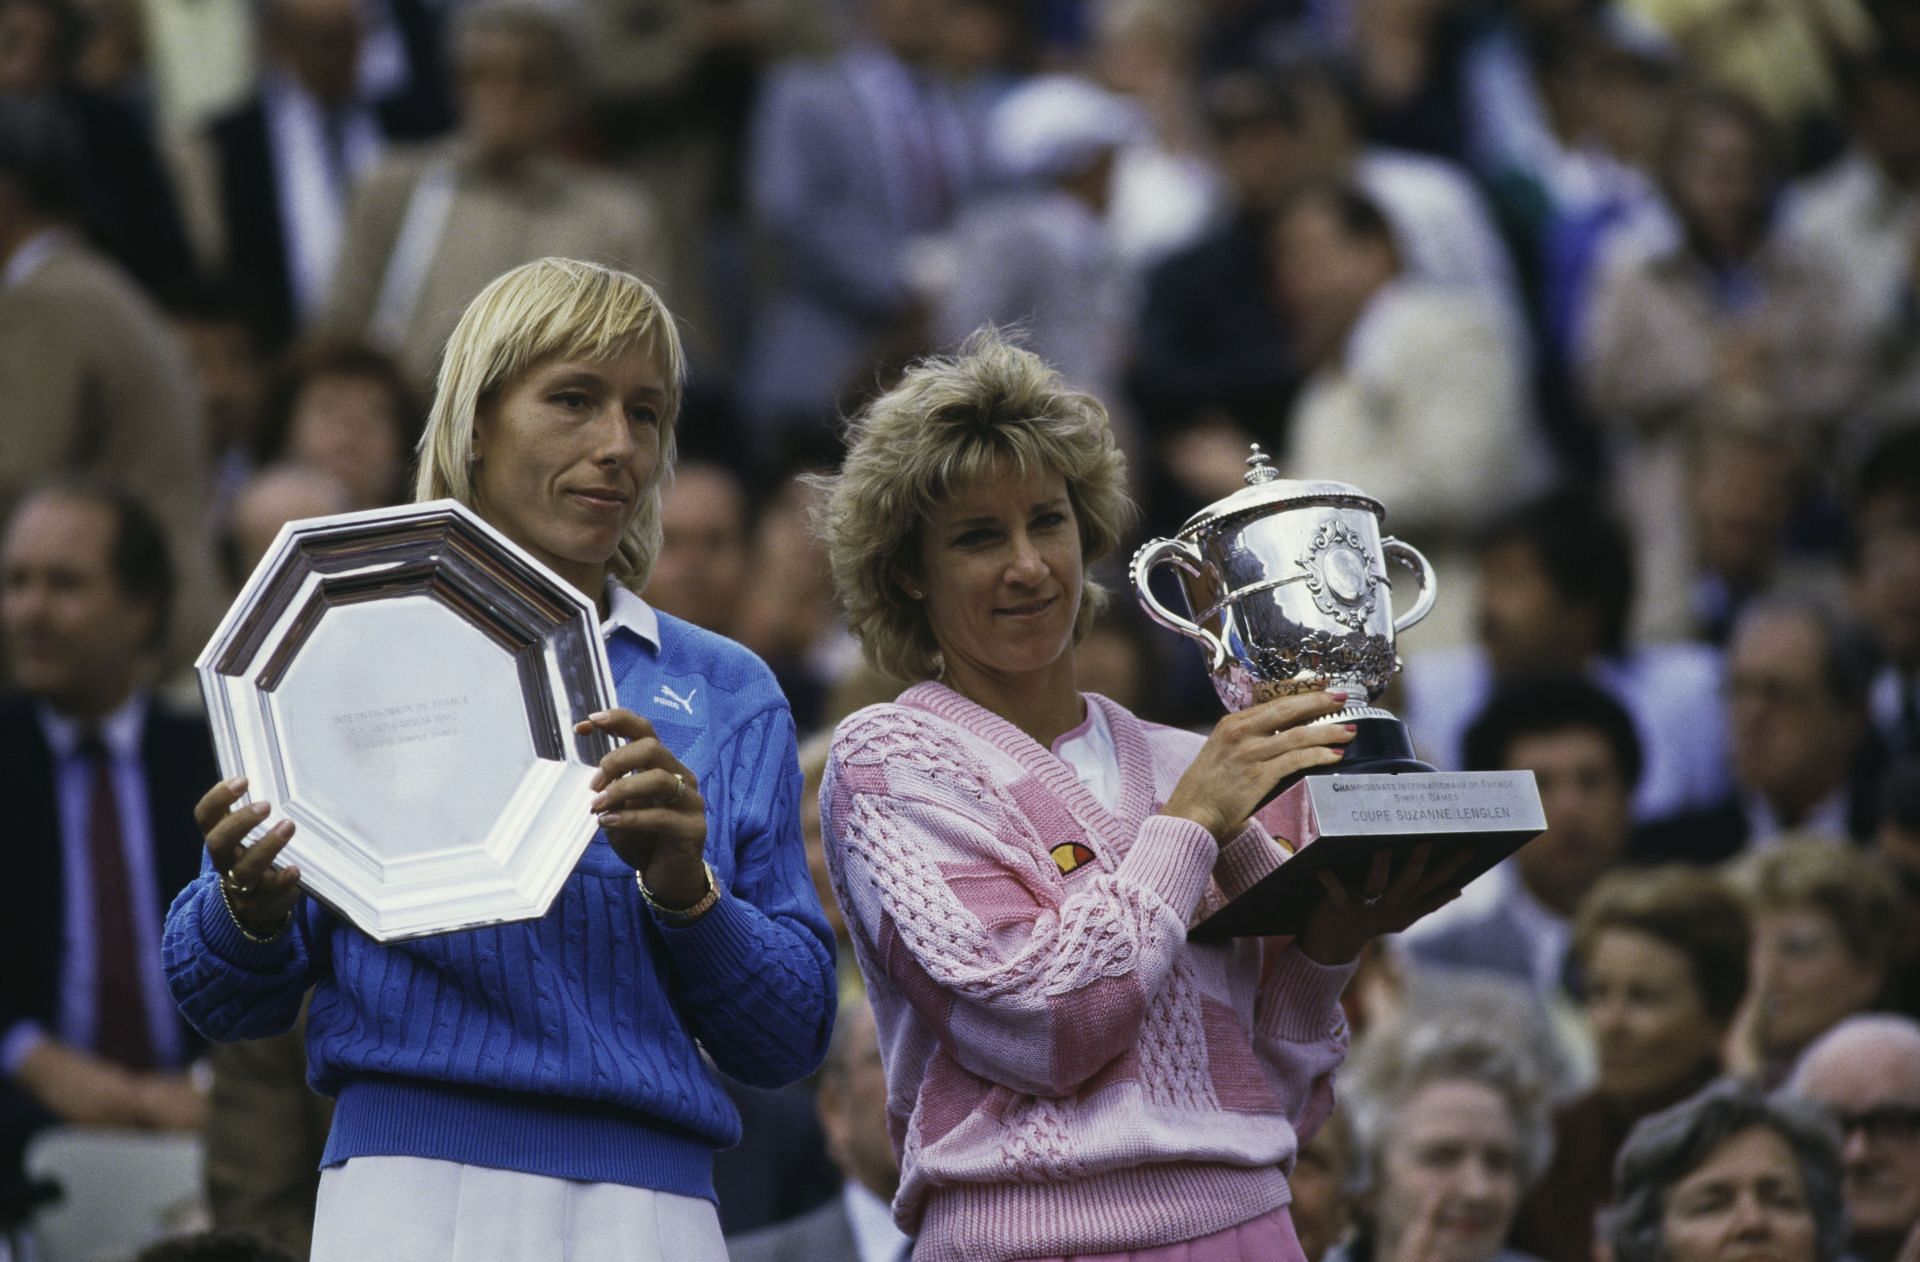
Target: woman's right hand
(260, 895)
(1250, 752)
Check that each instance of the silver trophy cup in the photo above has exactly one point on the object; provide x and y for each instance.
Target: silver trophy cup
(1286, 589)
(1287, 586)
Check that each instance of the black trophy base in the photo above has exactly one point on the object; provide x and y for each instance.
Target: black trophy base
(1379, 747)
(1379, 797)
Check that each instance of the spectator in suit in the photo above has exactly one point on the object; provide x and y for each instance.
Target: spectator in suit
(1746, 475)
(1863, 210)
(1213, 364)
(1580, 745)
(431, 225)
(1663, 955)
(347, 410)
(1555, 597)
(1711, 304)
(1886, 593)
(95, 381)
(1417, 392)
(858, 1224)
(851, 161)
(100, 778)
(231, 369)
(1865, 1072)
(126, 198)
(1441, 223)
(1211, 352)
(282, 166)
(1798, 740)
(1826, 936)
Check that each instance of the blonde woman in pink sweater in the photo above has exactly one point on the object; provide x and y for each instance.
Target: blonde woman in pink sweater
(1018, 861)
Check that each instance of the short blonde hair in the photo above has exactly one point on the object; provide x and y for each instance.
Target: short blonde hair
(943, 426)
(550, 309)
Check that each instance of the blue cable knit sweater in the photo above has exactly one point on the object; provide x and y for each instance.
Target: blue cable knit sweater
(565, 1046)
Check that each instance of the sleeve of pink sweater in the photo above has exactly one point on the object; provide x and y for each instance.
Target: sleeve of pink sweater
(1032, 982)
(1299, 1028)
(1300, 1032)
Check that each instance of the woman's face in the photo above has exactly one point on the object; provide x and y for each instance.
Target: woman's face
(1719, 176)
(344, 425)
(1000, 573)
(1450, 1166)
(565, 452)
(1649, 1021)
(1815, 979)
(1745, 1203)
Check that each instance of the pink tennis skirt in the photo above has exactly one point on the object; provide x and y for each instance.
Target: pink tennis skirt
(1268, 1238)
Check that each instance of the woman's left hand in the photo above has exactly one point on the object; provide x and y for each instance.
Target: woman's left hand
(1343, 923)
(652, 810)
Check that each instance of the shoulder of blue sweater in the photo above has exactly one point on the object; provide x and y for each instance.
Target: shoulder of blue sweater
(732, 667)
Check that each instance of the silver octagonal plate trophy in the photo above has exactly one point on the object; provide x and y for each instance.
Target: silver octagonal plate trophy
(1287, 589)
(402, 684)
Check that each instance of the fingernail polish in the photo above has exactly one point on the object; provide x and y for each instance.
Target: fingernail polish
(1339, 697)
(1351, 727)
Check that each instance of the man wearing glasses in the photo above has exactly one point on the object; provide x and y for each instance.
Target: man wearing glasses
(1866, 1072)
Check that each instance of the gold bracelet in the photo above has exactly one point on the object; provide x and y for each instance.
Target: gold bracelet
(245, 932)
(682, 915)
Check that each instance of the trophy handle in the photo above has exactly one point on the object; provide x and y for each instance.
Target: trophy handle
(1410, 556)
(1186, 557)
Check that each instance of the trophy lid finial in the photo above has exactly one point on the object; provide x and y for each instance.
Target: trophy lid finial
(1260, 467)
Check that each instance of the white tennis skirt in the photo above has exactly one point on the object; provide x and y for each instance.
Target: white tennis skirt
(413, 1209)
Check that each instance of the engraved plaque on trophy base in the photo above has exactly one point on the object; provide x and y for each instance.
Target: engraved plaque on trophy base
(1342, 820)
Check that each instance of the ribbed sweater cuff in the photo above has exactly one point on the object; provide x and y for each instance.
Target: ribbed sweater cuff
(1304, 995)
(1248, 857)
(721, 945)
(224, 939)
(1174, 858)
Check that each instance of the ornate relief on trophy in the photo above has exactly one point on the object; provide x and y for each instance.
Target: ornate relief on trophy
(402, 684)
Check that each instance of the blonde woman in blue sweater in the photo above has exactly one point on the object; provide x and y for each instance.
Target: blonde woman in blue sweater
(534, 1090)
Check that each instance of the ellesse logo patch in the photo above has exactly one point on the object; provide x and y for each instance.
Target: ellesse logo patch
(1070, 855)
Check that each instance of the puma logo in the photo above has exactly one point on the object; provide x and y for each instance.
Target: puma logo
(674, 701)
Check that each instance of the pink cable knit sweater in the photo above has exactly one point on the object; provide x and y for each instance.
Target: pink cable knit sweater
(1065, 1072)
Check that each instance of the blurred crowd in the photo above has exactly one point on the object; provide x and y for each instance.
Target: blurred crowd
(1614, 304)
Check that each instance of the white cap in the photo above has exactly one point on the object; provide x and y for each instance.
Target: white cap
(1058, 125)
